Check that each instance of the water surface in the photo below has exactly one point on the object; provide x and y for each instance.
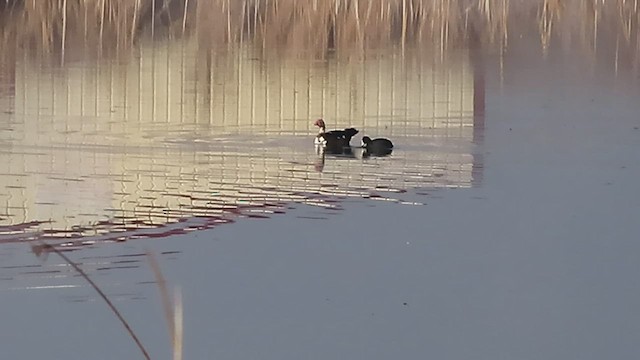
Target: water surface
(503, 225)
(112, 149)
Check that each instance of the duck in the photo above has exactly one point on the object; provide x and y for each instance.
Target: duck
(376, 147)
(334, 139)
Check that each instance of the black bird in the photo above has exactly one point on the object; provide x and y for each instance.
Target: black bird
(334, 140)
(376, 147)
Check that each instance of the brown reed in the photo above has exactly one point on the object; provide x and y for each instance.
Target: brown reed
(319, 26)
(45, 248)
(172, 310)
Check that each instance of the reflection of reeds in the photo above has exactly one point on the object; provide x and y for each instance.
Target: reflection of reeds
(317, 25)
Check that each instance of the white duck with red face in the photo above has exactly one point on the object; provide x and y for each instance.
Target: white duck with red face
(319, 140)
(333, 138)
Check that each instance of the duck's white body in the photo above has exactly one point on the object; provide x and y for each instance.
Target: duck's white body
(333, 138)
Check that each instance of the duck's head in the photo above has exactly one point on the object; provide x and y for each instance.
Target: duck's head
(319, 123)
(365, 141)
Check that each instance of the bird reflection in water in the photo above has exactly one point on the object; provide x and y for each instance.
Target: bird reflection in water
(342, 152)
(379, 147)
(366, 153)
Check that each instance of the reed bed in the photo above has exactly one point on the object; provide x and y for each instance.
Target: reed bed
(62, 26)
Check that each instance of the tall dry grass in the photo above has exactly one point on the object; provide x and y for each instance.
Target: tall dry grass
(173, 309)
(44, 249)
(63, 26)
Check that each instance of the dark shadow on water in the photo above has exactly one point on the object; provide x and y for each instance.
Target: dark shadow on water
(476, 59)
(376, 153)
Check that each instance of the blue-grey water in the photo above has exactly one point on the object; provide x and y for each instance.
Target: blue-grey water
(503, 226)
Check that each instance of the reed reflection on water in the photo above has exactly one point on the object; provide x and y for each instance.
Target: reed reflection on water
(172, 140)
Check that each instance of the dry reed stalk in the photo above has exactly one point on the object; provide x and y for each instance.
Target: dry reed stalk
(102, 20)
(184, 16)
(172, 314)
(503, 24)
(164, 294)
(45, 248)
(403, 37)
(178, 329)
(64, 28)
(134, 22)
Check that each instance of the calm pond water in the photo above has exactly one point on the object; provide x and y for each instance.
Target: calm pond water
(503, 225)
